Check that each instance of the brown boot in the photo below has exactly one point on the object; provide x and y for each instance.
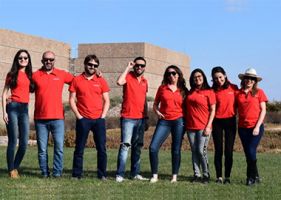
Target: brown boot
(14, 174)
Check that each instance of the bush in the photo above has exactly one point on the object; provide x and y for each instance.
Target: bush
(114, 101)
(273, 117)
(274, 106)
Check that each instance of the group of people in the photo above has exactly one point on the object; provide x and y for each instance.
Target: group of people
(200, 111)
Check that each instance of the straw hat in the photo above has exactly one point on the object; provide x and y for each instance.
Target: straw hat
(251, 72)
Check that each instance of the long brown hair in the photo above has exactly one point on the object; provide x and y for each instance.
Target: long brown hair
(181, 81)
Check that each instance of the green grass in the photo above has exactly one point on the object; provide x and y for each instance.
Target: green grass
(31, 186)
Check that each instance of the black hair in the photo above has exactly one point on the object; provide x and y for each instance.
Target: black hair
(91, 57)
(13, 73)
(181, 81)
(140, 58)
(219, 69)
(192, 82)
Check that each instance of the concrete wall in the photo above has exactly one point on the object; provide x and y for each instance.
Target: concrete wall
(114, 57)
(11, 42)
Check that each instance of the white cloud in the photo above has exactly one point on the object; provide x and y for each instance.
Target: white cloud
(235, 5)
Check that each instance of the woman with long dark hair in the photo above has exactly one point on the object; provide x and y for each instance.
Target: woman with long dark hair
(200, 106)
(251, 102)
(168, 105)
(15, 111)
(224, 124)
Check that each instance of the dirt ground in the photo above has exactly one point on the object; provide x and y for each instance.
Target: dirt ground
(271, 141)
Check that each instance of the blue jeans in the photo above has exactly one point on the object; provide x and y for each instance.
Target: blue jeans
(56, 128)
(250, 142)
(132, 132)
(199, 144)
(162, 131)
(83, 127)
(17, 127)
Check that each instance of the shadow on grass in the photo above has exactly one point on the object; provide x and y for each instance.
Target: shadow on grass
(89, 174)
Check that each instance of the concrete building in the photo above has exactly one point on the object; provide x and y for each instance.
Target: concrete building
(11, 42)
(114, 57)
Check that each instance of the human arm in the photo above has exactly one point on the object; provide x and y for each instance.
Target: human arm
(106, 104)
(261, 118)
(4, 102)
(122, 78)
(72, 102)
(208, 128)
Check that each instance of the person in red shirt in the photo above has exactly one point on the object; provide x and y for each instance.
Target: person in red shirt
(15, 113)
(133, 117)
(200, 107)
(224, 124)
(89, 100)
(48, 113)
(168, 105)
(251, 102)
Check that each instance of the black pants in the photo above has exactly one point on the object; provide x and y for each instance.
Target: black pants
(226, 127)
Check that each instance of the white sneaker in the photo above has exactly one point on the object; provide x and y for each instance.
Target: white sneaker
(119, 179)
(153, 180)
(140, 177)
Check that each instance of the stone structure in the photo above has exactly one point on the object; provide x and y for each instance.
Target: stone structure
(11, 42)
(114, 57)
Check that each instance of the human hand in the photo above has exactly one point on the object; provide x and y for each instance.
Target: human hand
(131, 64)
(98, 73)
(207, 131)
(256, 131)
(5, 118)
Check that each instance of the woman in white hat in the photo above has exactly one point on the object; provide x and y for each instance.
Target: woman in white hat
(251, 102)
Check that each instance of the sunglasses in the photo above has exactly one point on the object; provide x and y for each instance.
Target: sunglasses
(22, 58)
(140, 65)
(171, 73)
(93, 65)
(250, 78)
(48, 59)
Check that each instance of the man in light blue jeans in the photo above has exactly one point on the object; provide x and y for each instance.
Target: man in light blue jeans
(48, 113)
(133, 116)
(43, 128)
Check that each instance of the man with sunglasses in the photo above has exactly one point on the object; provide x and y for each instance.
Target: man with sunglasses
(89, 100)
(133, 115)
(48, 113)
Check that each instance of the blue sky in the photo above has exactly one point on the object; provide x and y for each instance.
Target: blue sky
(235, 34)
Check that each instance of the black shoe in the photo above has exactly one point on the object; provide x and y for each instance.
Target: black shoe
(226, 181)
(196, 179)
(206, 179)
(219, 180)
(76, 177)
(250, 181)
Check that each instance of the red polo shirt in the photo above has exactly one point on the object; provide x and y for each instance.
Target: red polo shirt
(21, 92)
(170, 102)
(225, 98)
(89, 94)
(134, 94)
(197, 105)
(48, 93)
(249, 107)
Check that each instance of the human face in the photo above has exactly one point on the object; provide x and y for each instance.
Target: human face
(198, 79)
(139, 67)
(219, 78)
(90, 67)
(23, 59)
(48, 60)
(172, 75)
(249, 81)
